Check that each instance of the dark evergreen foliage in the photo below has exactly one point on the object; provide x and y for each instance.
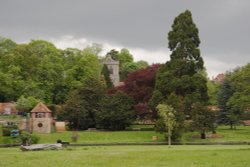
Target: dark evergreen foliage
(224, 94)
(179, 82)
(82, 104)
(203, 120)
(105, 73)
(116, 112)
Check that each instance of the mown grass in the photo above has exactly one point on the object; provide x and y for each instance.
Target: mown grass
(130, 156)
(242, 133)
(102, 137)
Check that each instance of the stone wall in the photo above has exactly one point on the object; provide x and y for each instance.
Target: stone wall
(41, 125)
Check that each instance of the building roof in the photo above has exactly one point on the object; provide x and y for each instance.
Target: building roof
(109, 61)
(219, 78)
(40, 107)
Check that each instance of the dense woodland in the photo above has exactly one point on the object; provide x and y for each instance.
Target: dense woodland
(78, 81)
(40, 70)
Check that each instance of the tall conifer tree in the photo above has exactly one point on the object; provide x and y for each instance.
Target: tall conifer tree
(179, 82)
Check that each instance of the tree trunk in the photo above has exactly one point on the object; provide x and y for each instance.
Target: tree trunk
(203, 135)
(169, 137)
(231, 125)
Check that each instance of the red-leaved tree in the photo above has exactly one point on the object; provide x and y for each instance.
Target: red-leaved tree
(140, 85)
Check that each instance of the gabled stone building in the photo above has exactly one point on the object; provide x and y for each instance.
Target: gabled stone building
(41, 120)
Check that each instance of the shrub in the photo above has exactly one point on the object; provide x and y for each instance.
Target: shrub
(28, 138)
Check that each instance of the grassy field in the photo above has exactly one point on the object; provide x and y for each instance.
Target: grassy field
(95, 137)
(103, 137)
(242, 133)
(130, 156)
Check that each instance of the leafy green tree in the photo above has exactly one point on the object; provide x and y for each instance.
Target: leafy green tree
(26, 104)
(167, 116)
(240, 80)
(40, 70)
(203, 120)
(116, 112)
(94, 48)
(123, 56)
(130, 67)
(179, 82)
(114, 54)
(85, 66)
(6, 45)
(51, 77)
(127, 68)
(141, 64)
(105, 73)
(212, 90)
(224, 94)
(83, 103)
(239, 101)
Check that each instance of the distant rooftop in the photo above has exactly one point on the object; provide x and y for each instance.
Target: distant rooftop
(219, 78)
(40, 107)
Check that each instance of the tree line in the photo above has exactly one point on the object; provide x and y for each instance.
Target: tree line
(39, 70)
(233, 97)
(78, 80)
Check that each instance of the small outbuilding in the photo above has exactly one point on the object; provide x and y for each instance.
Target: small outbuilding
(8, 109)
(41, 120)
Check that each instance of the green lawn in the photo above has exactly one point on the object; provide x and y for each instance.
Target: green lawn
(242, 133)
(95, 137)
(130, 156)
(103, 137)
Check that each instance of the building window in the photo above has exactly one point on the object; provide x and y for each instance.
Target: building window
(40, 125)
(40, 115)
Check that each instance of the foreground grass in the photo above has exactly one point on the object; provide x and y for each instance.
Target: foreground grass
(130, 156)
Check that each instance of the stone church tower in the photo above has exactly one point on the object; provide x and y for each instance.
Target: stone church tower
(113, 67)
(41, 120)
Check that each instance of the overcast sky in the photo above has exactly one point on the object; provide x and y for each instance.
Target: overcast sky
(139, 25)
